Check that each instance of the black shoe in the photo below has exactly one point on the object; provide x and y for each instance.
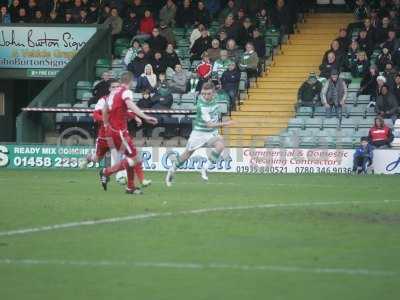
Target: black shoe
(136, 191)
(104, 179)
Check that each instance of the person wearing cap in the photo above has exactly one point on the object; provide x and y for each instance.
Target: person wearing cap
(386, 104)
(334, 94)
(380, 135)
(363, 157)
(167, 13)
(308, 94)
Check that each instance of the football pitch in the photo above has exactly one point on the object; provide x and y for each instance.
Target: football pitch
(235, 237)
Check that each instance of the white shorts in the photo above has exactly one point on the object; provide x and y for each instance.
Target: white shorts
(199, 139)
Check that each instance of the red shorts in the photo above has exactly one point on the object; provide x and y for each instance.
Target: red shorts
(101, 148)
(123, 142)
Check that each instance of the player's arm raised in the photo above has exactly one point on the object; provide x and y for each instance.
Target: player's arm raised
(220, 124)
(138, 112)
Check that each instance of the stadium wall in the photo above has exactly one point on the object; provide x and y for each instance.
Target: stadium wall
(234, 160)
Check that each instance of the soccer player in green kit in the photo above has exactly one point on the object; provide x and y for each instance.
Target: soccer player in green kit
(205, 132)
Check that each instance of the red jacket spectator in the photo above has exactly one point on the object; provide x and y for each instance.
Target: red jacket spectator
(204, 69)
(147, 23)
(380, 135)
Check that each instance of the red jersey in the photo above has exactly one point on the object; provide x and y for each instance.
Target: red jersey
(379, 134)
(118, 110)
(98, 117)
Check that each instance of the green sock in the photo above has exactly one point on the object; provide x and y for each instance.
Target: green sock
(214, 156)
(179, 163)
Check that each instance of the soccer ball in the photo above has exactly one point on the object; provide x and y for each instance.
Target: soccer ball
(121, 180)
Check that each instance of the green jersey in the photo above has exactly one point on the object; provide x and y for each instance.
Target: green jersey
(206, 111)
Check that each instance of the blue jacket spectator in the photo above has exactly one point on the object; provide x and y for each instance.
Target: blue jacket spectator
(363, 157)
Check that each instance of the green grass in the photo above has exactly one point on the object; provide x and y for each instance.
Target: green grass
(207, 253)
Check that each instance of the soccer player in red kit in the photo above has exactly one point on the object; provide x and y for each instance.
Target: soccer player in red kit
(115, 118)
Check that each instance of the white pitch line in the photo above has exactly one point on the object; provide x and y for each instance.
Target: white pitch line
(185, 212)
(199, 266)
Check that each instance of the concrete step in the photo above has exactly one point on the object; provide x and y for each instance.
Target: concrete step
(272, 97)
(265, 114)
(267, 108)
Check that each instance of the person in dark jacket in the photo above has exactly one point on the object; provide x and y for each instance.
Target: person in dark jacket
(380, 135)
(396, 89)
(185, 15)
(138, 64)
(339, 54)
(334, 95)
(351, 57)
(158, 63)
(386, 104)
(369, 84)
(361, 66)
(344, 40)
(201, 14)
(245, 32)
(330, 65)
(130, 25)
(102, 88)
(259, 43)
(201, 45)
(365, 43)
(157, 42)
(308, 94)
(384, 58)
(171, 58)
(363, 157)
(230, 83)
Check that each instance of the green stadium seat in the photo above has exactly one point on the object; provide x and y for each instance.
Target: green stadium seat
(345, 142)
(308, 142)
(102, 65)
(314, 123)
(349, 123)
(296, 123)
(81, 88)
(304, 111)
(363, 99)
(365, 123)
(123, 42)
(357, 111)
(187, 105)
(273, 142)
(361, 132)
(370, 112)
(331, 123)
(319, 111)
(190, 97)
(290, 142)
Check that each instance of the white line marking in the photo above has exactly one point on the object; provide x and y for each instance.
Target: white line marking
(199, 266)
(179, 213)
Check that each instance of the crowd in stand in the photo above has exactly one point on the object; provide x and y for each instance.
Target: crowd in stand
(368, 49)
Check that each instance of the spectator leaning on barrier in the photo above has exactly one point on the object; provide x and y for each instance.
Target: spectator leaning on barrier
(380, 135)
(5, 17)
(334, 94)
(309, 92)
(386, 104)
(363, 156)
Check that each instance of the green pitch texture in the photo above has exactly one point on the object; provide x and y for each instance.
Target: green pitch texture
(345, 236)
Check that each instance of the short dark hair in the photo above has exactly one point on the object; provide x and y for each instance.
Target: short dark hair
(208, 86)
(126, 77)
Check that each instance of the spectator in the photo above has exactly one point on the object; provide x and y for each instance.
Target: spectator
(105, 13)
(214, 51)
(201, 14)
(93, 13)
(130, 25)
(259, 43)
(132, 52)
(230, 28)
(82, 17)
(392, 43)
(365, 43)
(101, 88)
(201, 45)
(351, 56)
(380, 135)
(263, 19)
(362, 158)
(223, 39)
(22, 16)
(68, 19)
(146, 81)
(145, 102)
(168, 13)
(380, 81)
(390, 74)
(138, 64)
(222, 64)
(14, 10)
(139, 9)
(53, 18)
(230, 83)
(369, 30)
(397, 88)
(239, 18)
(148, 52)
(230, 9)
(213, 6)
(361, 66)
(185, 15)
(179, 81)
(196, 34)
(167, 33)
(147, 25)
(280, 17)
(386, 104)
(369, 84)
(158, 63)
(384, 58)
(31, 8)
(245, 33)
(249, 62)
(171, 58)
(234, 53)
(38, 17)
(115, 22)
(361, 10)
(157, 42)
(382, 31)
(330, 65)
(343, 40)
(5, 17)
(334, 94)
(76, 8)
(203, 70)
(309, 92)
(335, 48)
